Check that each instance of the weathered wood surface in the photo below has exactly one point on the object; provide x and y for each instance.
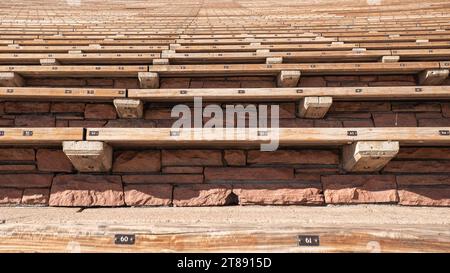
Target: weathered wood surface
(227, 229)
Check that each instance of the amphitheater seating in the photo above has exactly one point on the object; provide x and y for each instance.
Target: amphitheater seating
(94, 78)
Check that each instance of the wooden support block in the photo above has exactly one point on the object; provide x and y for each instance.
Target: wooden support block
(314, 107)
(368, 156)
(274, 60)
(262, 51)
(129, 108)
(359, 49)
(390, 59)
(160, 61)
(337, 43)
(174, 46)
(75, 52)
(166, 53)
(255, 44)
(98, 46)
(433, 76)
(11, 79)
(148, 80)
(14, 45)
(89, 156)
(288, 78)
(422, 41)
(49, 61)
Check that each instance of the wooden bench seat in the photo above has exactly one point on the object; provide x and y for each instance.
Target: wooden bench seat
(75, 71)
(80, 58)
(310, 56)
(39, 136)
(50, 94)
(306, 69)
(293, 94)
(84, 49)
(88, 42)
(287, 136)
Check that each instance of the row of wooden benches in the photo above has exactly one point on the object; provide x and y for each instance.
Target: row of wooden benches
(275, 69)
(104, 40)
(260, 56)
(251, 47)
(363, 149)
(312, 102)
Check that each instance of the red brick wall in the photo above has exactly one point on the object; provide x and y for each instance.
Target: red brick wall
(418, 176)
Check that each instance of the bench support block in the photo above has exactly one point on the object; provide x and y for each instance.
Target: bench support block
(160, 61)
(11, 79)
(148, 79)
(390, 59)
(129, 108)
(314, 107)
(274, 60)
(368, 156)
(433, 77)
(49, 61)
(89, 156)
(288, 78)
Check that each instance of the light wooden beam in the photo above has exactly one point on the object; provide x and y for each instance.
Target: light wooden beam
(49, 61)
(390, 59)
(256, 136)
(274, 60)
(148, 79)
(160, 61)
(11, 79)
(314, 107)
(368, 156)
(292, 94)
(129, 108)
(433, 76)
(89, 156)
(288, 78)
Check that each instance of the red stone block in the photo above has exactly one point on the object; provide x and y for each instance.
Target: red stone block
(278, 194)
(87, 191)
(192, 158)
(137, 161)
(148, 195)
(345, 189)
(282, 157)
(10, 196)
(230, 174)
(65, 107)
(100, 111)
(235, 157)
(26, 107)
(26, 180)
(49, 160)
(16, 154)
(394, 120)
(203, 195)
(34, 121)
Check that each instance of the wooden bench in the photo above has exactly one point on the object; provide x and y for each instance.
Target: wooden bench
(80, 58)
(51, 94)
(74, 71)
(83, 49)
(364, 149)
(39, 136)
